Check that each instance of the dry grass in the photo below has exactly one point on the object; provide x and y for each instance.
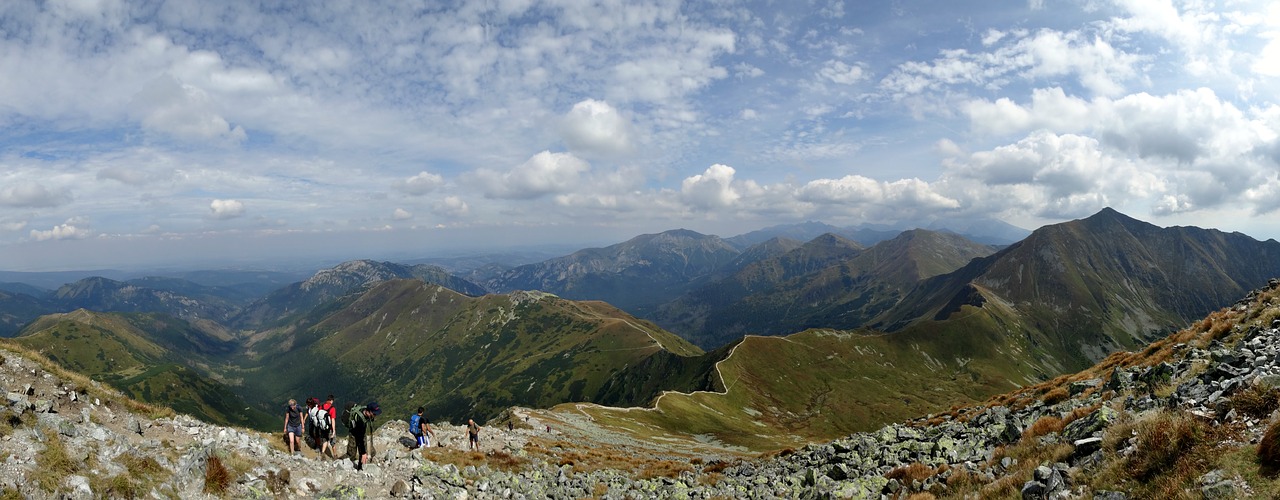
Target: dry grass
(1256, 400)
(964, 480)
(89, 386)
(1055, 396)
(1269, 450)
(1045, 425)
(217, 479)
(53, 464)
(909, 473)
(497, 460)
(1172, 451)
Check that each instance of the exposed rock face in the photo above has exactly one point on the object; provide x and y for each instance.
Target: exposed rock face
(1198, 378)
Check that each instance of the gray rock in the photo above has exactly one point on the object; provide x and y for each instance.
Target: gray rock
(1087, 426)
(1221, 490)
(400, 488)
(1033, 490)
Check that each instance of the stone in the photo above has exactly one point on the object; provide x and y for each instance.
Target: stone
(1085, 447)
(400, 488)
(1221, 490)
(1033, 490)
(1087, 426)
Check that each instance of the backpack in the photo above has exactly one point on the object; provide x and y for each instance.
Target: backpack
(321, 418)
(414, 424)
(350, 413)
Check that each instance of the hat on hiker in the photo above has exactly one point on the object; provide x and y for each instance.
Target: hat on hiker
(373, 408)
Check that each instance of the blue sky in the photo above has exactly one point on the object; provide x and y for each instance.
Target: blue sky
(141, 133)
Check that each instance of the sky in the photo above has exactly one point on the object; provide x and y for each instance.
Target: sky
(161, 133)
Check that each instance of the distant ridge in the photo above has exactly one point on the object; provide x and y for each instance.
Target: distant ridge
(328, 285)
(1092, 286)
(635, 275)
(829, 282)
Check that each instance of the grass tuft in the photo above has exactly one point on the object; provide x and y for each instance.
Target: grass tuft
(1256, 400)
(1045, 425)
(914, 471)
(53, 464)
(1269, 450)
(217, 479)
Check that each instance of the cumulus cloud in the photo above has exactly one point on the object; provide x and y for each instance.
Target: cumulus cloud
(125, 174)
(857, 190)
(1045, 55)
(32, 194)
(1069, 175)
(543, 174)
(226, 209)
(1049, 108)
(845, 74)
(418, 185)
(596, 129)
(401, 214)
(451, 206)
(183, 111)
(710, 189)
(66, 231)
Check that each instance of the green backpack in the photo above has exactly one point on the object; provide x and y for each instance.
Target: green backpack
(350, 413)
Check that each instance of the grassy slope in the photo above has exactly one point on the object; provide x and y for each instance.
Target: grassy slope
(110, 347)
(408, 344)
(820, 384)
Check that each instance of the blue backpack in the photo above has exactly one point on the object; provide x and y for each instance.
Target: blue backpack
(414, 424)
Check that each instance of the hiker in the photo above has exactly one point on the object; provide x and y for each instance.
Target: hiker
(321, 426)
(294, 419)
(333, 419)
(358, 420)
(421, 429)
(473, 434)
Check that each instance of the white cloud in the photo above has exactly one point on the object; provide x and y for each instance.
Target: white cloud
(1050, 108)
(451, 206)
(420, 184)
(1046, 55)
(715, 188)
(856, 190)
(226, 209)
(60, 232)
(32, 194)
(1063, 176)
(13, 225)
(845, 74)
(184, 111)
(543, 174)
(595, 129)
(125, 174)
(401, 214)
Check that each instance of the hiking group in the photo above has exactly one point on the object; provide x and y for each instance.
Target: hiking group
(319, 420)
(316, 427)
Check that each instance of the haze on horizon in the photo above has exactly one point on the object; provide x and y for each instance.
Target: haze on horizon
(187, 131)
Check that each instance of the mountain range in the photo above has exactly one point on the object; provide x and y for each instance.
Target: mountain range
(799, 339)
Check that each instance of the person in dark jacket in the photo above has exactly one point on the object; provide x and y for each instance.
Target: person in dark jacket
(359, 432)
